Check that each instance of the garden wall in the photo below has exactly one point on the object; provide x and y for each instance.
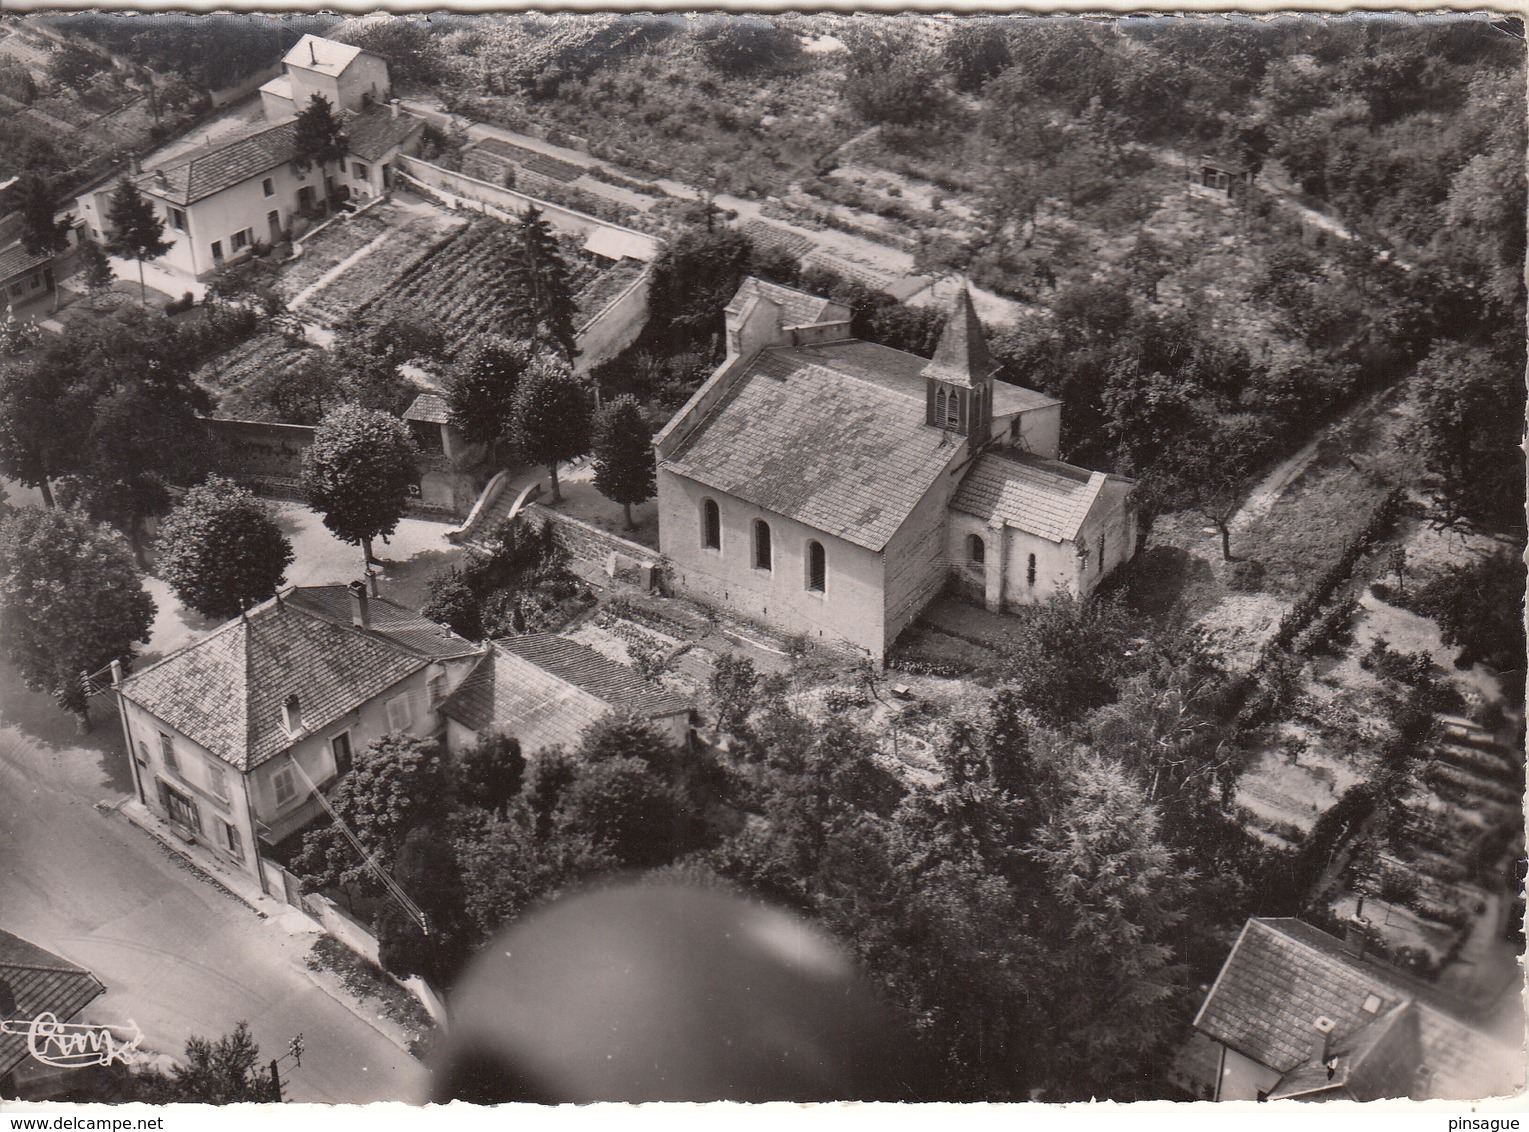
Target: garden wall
(588, 546)
(616, 327)
(458, 190)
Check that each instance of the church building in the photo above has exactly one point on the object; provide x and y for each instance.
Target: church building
(834, 487)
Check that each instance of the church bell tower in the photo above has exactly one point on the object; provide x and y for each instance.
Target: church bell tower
(959, 378)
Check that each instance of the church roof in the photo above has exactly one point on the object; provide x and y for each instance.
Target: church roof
(1044, 497)
(831, 436)
(962, 357)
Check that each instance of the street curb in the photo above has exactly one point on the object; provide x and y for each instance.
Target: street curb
(344, 998)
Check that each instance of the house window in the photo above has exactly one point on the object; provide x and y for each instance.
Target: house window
(167, 752)
(143, 753)
(437, 686)
(242, 240)
(217, 781)
(976, 550)
(763, 559)
(268, 187)
(399, 715)
(1030, 572)
(711, 525)
(177, 219)
(285, 784)
(361, 171)
(817, 567)
(217, 250)
(340, 747)
(232, 841)
(182, 810)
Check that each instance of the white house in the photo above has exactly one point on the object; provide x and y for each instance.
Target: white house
(227, 732)
(833, 487)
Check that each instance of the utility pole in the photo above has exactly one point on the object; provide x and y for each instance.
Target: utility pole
(295, 1051)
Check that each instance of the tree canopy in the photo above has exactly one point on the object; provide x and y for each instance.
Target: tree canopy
(221, 550)
(551, 417)
(71, 600)
(539, 278)
(136, 231)
(625, 471)
(320, 139)
(358, 472)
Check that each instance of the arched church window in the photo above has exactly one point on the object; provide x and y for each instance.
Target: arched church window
(763, 558)
(817, 567)
(711, 525)
(976, 549)
(1030, 572)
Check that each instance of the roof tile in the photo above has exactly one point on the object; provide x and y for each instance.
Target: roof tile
(1044, 497)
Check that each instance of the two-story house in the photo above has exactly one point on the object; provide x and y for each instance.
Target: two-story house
(232, 736)
(834, 487)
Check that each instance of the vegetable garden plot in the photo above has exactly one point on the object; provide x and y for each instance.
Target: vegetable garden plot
(329, 247)
(376, 274)
(465, 286)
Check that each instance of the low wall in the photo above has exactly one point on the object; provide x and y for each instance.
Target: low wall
(588, 545)
(262, 455)
(616, 327)
(459, 190)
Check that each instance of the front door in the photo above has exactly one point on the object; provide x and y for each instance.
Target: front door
(182, 810)
(273, 218)
(305, 198)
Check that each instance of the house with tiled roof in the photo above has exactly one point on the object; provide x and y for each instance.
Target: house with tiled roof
(34, 982)
(833, 487)
(234, 736)
(1297, 1014)
(547, 690)
(221, 199)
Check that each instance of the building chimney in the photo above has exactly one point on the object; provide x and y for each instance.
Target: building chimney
(371, 583)
(292, 714)
(393, 106)
(1356, 935)
(360, 606)
(1322, 1039)
(134, 165)
(313, 55)
(116, 673)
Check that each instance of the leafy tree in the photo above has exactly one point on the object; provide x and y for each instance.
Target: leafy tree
(481, 384)
(890, 78)
(358, 472)
(1068, 656)
(1479, 606)
(72, 66)
(733, 680)
(1470, 411)
(693, 278)
(744, 45)
(320, 137)
(623, 806)
(38, 424)
(395, 786)
(427, 870)
(539, 279)
(976, 50)
(551, 418)
(489, 774)
(221, 550)
(1105, 968)
(369, 350)
(452, 602)
(225, 1071)
(136, 231)
(625, 471)
(71, 600)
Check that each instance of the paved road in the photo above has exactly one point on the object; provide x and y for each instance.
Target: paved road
(177, 955)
